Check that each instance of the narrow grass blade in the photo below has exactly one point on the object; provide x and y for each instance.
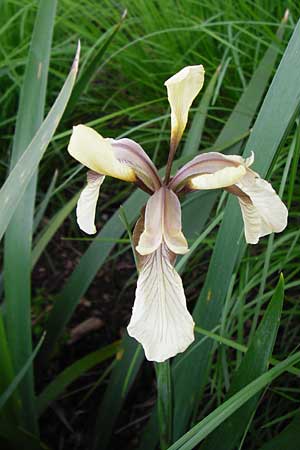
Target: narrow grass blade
(44, 203)
(18, 378)
(51, 228)
(131, 356)
(17, 254)
(200, 431)
(273, 122)
(288, 439)
(53, 390)
(89, 69)
(9, 413)
(254, 363)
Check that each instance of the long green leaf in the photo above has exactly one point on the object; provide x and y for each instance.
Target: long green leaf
(164, 403)
(10, 413)
(17, 254)
(90, 68)
(199, 432)
(53, 390)
(51, 228)
(254, 363)
(11, 192)
(18, 378)
(288, 439)
(273, 122)
(130, 359)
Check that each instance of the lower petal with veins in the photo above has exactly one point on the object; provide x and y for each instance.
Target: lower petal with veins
(160, 320)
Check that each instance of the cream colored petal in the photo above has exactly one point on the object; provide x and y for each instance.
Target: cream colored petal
(86, 205)
(266, 214)
(254, 225)
(220, 179)
(182, 89)
(152, 236)
(210, 171)
(160, 320)
(172, 233)
(95, 152)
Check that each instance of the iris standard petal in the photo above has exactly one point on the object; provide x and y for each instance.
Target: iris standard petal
(86, 205)
(263, 211)
(172, 233)
(182, 89)
(162, 223)
(160, 320)
(95, 152)
(210, 171)
(152, 236)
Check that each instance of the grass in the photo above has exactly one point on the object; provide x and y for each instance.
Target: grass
(126, 97)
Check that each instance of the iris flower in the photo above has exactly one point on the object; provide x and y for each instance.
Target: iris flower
(160, 319)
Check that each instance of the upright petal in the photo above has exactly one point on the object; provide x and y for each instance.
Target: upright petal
(172, 233)
(262, 209)
(95, 152)
(86, 205)
(182, 89)
(160, 320)
(152, 236)
(162, 223)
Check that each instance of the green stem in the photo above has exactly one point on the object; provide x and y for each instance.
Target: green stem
(164, 403)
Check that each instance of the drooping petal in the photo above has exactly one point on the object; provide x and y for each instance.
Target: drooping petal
(210, 171)
(182, 89)
(152, 236)
(172, 233)
(162, 222)
(263, 212)
(160, 320)
(134, 156)
(95, 152)
(86, 205)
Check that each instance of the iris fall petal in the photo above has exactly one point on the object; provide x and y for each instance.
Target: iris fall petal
(160, 320)
(264, 213)
(86, 205)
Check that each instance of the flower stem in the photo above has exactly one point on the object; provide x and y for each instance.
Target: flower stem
(164, 402)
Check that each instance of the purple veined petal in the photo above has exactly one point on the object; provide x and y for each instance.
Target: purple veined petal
(172, 233)
(162, 223)
(210, 171)
(86, 205)
(133, 155)
(152, 236)
(262, 209)
(160, 320)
